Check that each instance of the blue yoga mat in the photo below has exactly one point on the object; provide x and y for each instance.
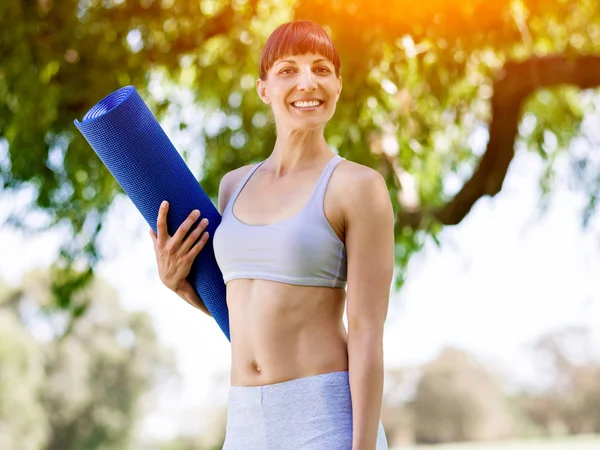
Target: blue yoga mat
(132, 145)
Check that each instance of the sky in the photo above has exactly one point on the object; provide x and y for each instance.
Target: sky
(501, 278)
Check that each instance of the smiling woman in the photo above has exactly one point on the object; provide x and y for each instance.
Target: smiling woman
(302, 91)
(303, 79)
(296, 230)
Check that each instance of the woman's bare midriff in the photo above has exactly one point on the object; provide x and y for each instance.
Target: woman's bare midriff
(280, 332)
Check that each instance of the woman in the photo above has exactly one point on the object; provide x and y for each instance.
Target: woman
(296, 228)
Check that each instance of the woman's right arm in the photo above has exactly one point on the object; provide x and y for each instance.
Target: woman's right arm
(165, 247)
(175, 255)
(189, 294)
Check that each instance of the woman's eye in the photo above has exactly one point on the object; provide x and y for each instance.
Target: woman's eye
(287, 70)
(322, 70)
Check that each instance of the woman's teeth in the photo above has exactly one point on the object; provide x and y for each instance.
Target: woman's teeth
(310, 104)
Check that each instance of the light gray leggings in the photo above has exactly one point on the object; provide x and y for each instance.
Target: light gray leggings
(311, 413)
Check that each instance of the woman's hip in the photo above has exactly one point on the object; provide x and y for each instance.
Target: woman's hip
(313, 412)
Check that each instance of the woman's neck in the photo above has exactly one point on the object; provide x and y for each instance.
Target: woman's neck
(297, 151)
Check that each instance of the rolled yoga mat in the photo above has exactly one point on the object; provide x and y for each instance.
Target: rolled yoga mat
(132, 145)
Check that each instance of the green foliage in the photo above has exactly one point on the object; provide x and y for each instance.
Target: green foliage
(189, 443)
(21, 382)
(458, 399)
(417, 85)
(76, 390)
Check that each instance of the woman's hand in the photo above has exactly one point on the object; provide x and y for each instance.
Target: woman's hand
(174, 255)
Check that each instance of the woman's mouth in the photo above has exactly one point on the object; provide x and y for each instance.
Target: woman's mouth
(307, 104)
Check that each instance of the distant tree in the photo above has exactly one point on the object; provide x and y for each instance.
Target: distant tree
(423, 82)
(90, 379)
(207, 433)
(210, 436)
(569, 400)
(21, 382)
(458, 399)
(189, 443)
(396, 414)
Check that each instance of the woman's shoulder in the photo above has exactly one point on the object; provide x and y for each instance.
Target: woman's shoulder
(351, 168)
(351, 174)
(356, 184)
(229, 182)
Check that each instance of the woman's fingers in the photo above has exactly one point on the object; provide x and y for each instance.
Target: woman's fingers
(184, 228)
(161, 223)
(175, 254)
(198, 246)
(178, 244)
(194, 235)
(162, 231)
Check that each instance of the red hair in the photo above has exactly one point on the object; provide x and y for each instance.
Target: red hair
(296, 38)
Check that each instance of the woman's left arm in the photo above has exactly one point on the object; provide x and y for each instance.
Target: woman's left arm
(369, 240)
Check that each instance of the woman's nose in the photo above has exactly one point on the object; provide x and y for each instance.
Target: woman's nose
(306, 81)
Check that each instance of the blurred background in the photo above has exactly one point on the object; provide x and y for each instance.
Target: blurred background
(484, 118)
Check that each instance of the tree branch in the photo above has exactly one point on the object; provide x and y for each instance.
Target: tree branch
(516, 81)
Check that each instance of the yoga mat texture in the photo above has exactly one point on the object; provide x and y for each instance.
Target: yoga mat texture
(132, 145)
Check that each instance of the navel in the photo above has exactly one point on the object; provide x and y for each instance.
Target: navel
(256, 366)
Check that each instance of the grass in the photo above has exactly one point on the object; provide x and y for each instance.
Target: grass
(569, 443)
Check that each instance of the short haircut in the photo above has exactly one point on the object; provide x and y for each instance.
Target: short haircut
(296, 38)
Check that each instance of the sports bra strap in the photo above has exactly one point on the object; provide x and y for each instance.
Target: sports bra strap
(242, 183)
(319, 191)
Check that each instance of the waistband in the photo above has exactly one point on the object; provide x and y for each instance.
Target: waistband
(321, 381)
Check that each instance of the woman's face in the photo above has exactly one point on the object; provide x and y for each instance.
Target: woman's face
(302, 91)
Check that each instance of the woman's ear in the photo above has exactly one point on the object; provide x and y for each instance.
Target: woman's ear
(339, 90)
(262, 91)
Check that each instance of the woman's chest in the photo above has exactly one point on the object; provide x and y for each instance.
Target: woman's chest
(271, 204)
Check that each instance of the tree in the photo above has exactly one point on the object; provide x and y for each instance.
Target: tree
(457, 399)
(396, 413)
(21, 380)
(81, 389)
(570, 400)
(420, 80)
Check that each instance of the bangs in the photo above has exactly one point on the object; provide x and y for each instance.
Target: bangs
(297, 38)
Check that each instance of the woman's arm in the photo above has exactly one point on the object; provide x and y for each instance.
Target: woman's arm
(370, 249)
(183, 288)
(175, 254)
(189, 294)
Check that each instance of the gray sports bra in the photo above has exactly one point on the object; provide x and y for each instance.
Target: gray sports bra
(302, 249)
